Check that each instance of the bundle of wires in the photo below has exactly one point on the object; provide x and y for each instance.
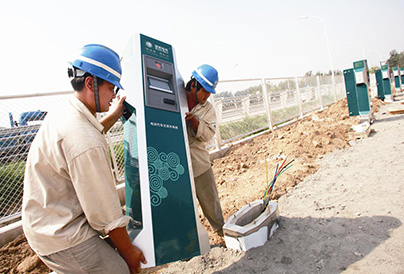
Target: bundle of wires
(270, 187)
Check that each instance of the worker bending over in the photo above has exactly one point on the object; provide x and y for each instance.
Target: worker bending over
(201, 127)
(70, 197)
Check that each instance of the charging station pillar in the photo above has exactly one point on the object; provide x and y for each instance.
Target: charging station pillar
(397, 82)
(386, 83)
(402, 76)
(379, 84)
(159, 186)
(362, 87)
(350, 89)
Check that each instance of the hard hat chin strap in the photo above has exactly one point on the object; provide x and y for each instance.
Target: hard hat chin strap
(196, 92)
(96, 95)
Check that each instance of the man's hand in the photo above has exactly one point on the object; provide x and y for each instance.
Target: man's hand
(130, 253)
(133, 257)
(117, 107)
(192, 120)
(115, 112)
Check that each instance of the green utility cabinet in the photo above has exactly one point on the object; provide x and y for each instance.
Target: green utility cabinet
(362, 86)
(397, 82)
(350, 88)
(386, 80)
(402, 76)
(379, 84)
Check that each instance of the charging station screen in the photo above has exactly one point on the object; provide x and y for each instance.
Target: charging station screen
(358, 65)
(159, 84)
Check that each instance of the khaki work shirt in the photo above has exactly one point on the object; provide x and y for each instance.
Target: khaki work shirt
(206, 115)
(69, 188)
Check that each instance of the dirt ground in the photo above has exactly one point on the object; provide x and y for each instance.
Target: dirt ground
(340, 202)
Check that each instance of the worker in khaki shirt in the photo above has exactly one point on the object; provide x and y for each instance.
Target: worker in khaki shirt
(201, 126)
(70, 197)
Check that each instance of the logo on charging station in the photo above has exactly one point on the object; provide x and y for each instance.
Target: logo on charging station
(161, 49)
(149, 45)
(157, 50)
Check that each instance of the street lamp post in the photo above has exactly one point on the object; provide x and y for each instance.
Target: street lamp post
(380, 55)
(363, 49)
(329, 51)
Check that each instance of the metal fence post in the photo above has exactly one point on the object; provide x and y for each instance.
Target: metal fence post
(267, 104)
(299, 98)
(218, 106)
(320, 96)
(333, 87)
(245, 103)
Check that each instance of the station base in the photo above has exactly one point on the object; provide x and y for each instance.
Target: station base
(251, 226)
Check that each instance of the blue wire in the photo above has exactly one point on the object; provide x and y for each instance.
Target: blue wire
(276, 172)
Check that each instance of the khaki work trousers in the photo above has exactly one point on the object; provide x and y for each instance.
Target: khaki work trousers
(208, 197)
(93, 256)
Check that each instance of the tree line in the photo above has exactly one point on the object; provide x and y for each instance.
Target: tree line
(396, 59)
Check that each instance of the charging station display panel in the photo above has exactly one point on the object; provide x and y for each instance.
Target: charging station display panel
(359, 65)
(385, 71)
(361, 72)
(395, 71)
(159, 84)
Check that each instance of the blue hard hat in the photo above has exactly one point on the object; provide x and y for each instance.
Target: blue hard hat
(207, 76)
(100, 61)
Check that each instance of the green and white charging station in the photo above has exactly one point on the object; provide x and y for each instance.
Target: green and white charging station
(397, 82)
(362, 88)
(379, 84)
(402, 76)
(386, 83)
(159, 186)
(350, 89)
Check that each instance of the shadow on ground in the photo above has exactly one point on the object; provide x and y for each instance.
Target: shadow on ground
(312, 245)
(395, 118)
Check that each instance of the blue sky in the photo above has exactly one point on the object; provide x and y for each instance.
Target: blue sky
(242, 39)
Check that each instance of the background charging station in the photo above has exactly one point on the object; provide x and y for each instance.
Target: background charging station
(397, 82)
(159, 187)
(357, 90)
(350, 89)
(379, 84)
(402, 76)
(362, 87)
(386, 83)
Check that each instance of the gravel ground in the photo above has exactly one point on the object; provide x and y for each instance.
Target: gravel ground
(345, 218)
(341, 211)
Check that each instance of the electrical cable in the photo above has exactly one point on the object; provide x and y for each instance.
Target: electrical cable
(270, 185)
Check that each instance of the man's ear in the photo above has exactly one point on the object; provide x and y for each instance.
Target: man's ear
(89, 83)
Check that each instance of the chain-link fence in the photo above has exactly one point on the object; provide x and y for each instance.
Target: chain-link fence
(243, 107)
(115, 142)
(20, 118)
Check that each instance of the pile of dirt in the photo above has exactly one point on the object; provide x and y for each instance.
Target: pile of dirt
(18, 257)
(241, 174)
